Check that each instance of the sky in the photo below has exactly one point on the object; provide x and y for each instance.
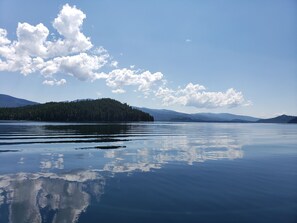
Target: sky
(189, 56)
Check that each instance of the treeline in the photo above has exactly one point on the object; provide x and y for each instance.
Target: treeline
(101, 110)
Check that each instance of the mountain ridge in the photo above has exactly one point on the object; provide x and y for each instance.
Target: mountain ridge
(166, 114)
(169, 115)
(8, 101)
(279, 119)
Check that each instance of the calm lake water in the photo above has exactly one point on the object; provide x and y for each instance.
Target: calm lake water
(148, 172)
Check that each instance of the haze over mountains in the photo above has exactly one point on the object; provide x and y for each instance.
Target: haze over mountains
(8, 101)
(173, 116)
(169, 115)
(280, 119)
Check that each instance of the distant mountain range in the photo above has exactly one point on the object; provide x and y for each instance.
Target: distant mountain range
(280, 119)
(172, 116)
(169, 115)
(12, 102)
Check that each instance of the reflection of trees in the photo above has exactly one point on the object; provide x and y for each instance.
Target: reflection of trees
(88, 129)
(49, 197)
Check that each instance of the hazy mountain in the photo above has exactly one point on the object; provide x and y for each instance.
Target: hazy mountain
(280, 119)
(7, 101)
(294, 120)
(169, 115)
(225, 117)
(163, 114)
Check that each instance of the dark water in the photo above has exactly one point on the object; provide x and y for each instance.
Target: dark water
(156, 172)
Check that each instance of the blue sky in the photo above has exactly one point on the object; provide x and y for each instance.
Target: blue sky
(192, 56)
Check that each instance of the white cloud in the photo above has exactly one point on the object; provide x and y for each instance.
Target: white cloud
(3, 38)
(31, 40)
(70, 54)
(118, 91)
(82, 66)
(54, 82)
(119, 78)
(68, 24)
(114, 63)
(197, 96)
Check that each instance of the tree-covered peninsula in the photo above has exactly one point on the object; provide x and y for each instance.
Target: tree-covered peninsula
(100, 110)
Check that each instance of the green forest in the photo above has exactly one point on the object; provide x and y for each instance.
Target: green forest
(100, 110)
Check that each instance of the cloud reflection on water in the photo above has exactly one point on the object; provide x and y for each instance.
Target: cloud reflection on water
(59, 192)
(154, 154)
(32, 197)
(52, 161)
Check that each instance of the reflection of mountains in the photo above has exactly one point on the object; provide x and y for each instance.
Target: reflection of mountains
(48, 197)
(87, 129)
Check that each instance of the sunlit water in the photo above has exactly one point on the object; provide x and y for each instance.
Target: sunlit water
(148, 172)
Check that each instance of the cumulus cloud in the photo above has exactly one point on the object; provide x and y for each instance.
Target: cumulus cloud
(31, 40)
(81, 66)
(68, 24)
(70, 52)
(119, 78)
(196, 95)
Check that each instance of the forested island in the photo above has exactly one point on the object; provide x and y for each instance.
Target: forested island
(100, 110)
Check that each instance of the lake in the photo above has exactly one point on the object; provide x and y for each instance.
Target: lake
(148, 172)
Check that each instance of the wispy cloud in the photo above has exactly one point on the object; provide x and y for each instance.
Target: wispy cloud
(69, 51)
(118, 91)
(54, 82)
(114, 63)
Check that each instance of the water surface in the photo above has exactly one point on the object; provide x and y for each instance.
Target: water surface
(148, 172)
